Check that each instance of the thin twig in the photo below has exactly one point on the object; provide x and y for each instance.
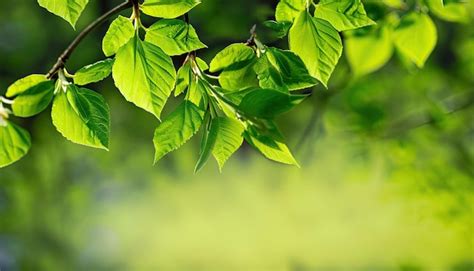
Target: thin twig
(67, 53)
(416, 121)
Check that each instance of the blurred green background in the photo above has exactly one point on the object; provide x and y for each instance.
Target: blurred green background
(386, 181)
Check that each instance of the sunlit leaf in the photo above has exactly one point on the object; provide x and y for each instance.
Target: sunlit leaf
(94, 72)
(168, 8)
(284, 70)
(229, 139)
(233, 54)
(236, 61)
(416, 37)
(34, 100)
(34, 93)
(239, 76)
(69, 10)
(270, 144)
(452, 11)
(207, 144)
(24, 84)
(174, 37)
(144, 74)
(317, 43)
(121, 30)
(370, 51)
(15, 143)
(288, 10)
(185, 73)
(394, 3)
(343, 14)
(82, 116)
(177, 128)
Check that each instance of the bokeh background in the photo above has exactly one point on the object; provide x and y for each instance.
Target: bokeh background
(386, 177)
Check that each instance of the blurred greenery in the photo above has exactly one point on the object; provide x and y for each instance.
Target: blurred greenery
(386, 181)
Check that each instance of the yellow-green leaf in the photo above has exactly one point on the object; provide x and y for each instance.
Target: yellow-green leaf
(177, 128)
(270, 144)
(452, 11)
(174, 37)
(94, 72)
(34, 100)
(229, 139)
(343, 14)
(24, 84)
(288, 10)
(416, 37)
(82, 116)
(233, 54)
(121, 30)
(144, 74)
(15, 143)
(169, 9)
(370, 51)
(318, 44)
(69, 10)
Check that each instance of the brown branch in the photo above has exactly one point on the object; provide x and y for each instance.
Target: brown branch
(70, 49)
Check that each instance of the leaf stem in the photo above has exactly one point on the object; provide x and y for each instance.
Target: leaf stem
(5, 100)
(210, 76)
(62, 59)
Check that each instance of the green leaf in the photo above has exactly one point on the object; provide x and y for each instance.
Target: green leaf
(69, 10)
(207, 144)
(82, 116)
(268, 103)
(317, 43)
(174, 37)
(15, 142)
(416, 37)
(288, 10)
(233, 54)
(239, 76)
(268, 76)
(121, 30)
(34, 100)
(452, 11)
(183, 77)
(34, 93)
(185, 74)
(394, 3)
(280, 28)
(25, 84)
(169, 9)
(236, 97)
(177, 128)
(270, 144)
(144, 74)
(237, 62)
(343, 14)
(369, 51)
(283, 70)
(94, 72)
(229, 139)
(198, 90)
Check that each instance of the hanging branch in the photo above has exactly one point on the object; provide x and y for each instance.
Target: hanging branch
(62, 59)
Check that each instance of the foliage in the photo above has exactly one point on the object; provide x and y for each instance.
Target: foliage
(255, 83)
(386, 163)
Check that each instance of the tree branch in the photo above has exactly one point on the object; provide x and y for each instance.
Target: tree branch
(67, 53)
(412, 122)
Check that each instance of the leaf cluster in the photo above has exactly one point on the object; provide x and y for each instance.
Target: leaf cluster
(234, 98)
